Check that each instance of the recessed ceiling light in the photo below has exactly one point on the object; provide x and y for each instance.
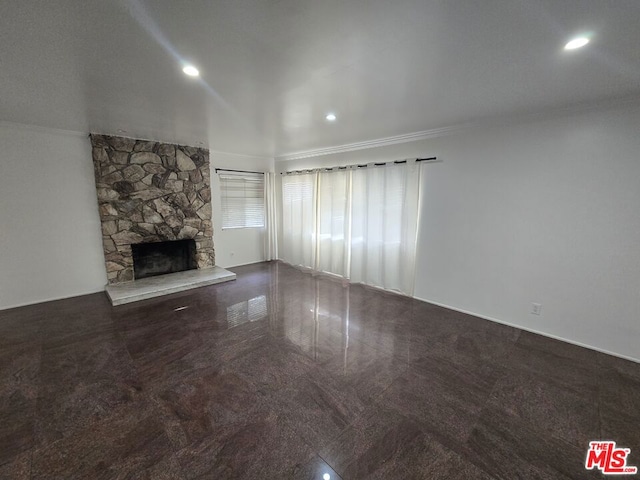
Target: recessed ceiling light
(331, 117)
(191, 71)
(577, 42)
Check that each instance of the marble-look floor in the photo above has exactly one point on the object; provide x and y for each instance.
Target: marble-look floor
(282, 374)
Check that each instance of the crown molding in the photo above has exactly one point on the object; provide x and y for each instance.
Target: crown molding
(239, 155)
(74, 133)
(631, 101)
(39, 129)
(378, 142)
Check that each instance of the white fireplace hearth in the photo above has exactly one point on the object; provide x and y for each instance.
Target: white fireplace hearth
(157, 286)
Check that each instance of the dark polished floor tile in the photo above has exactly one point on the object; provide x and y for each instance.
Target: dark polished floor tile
(166, 469)
(17, 468)
(21, 325)
(285, 374)
(506, 448)
(320, 347)
(383, 444)
(317, 406)
(129, 446)
(388, 337)
(617, 364)
(256, 447)
(619, 396)
(450, 341)
(152, 348)
(622, 428)
(428, 458)
(548, 408)
(164, 366)
(273, 366)
(19, 374)
(472, 379)
(318, 326)
(206, 310)
(200, 405)
(82, 385)
(20, 370)
(374, 305)
(137, 316)
(428, 319)
(217, 312)
(620, 385)
(303, 318)
(364, 369)
(373, 445)
(17, 418)
(446, 399)
(76, 319)
(315, 469)
(556, 348)
(566, 364)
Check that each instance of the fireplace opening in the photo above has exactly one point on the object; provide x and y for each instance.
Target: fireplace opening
(159, 258)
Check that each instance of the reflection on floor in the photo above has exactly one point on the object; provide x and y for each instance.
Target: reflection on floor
(281, 374)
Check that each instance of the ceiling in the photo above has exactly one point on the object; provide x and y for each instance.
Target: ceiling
(272, 69)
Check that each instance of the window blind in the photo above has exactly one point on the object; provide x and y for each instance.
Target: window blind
(242, 200)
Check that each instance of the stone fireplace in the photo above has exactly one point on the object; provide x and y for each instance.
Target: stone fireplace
(151, 193)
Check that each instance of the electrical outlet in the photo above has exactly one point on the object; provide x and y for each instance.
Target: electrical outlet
(536, 308)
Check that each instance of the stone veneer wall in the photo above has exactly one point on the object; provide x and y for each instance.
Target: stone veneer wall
(151, 192)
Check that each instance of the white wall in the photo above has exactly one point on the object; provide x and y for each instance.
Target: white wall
(243, 245)
(50, 240)
(545, 211)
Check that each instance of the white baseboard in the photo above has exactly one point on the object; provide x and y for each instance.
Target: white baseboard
(51, 299)
(245, 264)
(531, 330)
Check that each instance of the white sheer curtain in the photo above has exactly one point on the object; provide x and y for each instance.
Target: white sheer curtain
(334, 222)
(271, 217)
(358, 223)
(384, 223)
(299, 219)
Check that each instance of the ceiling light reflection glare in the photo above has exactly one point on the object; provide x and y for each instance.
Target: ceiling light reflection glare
(191, 71)
(575, 43)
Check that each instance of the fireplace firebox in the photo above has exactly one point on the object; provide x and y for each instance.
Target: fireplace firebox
(159, 258)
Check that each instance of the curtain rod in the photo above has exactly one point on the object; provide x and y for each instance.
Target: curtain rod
(236, 171)
(365, 165)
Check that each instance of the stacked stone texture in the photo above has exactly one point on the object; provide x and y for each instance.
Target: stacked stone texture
(151, 192)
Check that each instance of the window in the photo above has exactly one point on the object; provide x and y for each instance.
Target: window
(242, 200)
